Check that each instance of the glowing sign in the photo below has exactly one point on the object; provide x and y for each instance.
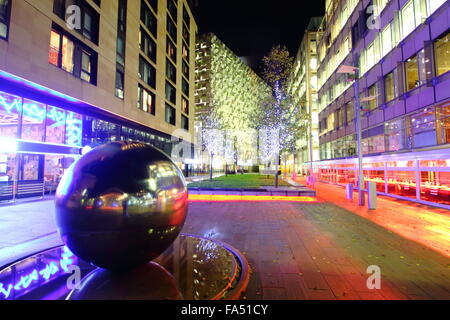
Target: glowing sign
(20, 279)
(74, 125)
(73, 122)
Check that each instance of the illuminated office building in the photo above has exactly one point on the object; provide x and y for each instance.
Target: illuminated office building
(302, 87)
(402, 50)
(101, 71)
(229, 86)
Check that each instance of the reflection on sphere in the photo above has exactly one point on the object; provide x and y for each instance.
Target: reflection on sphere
(121, 205)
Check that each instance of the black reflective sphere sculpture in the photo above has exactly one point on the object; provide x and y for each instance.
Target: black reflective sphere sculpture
(121, 205)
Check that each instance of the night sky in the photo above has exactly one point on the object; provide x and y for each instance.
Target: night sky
(251, 27)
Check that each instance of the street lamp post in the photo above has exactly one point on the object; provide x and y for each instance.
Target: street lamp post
(359, 133)
(355, 71)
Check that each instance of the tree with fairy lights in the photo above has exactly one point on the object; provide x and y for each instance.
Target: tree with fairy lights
(212, 137)
(279, 120)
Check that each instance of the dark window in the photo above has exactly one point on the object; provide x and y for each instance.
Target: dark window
(171, 50)
(171, 71)
(73, 56)
(90, 18)
(147, 45)
(185, 87)
(120, 51)
(147, 72)
(186, 35)
(171, 93)
(153, 4)
(173, 10)
(146, 100)
(185, 123)
(171, 29)
(185, 70)
(186, 17)
(148, 18)
(5, 11)
(360, 27)
(120, 57)
(170, 115)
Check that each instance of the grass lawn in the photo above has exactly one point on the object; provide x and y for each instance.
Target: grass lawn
(244, 181)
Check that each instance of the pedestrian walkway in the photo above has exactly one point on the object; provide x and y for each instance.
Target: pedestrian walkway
(426, 225)
(320, 251)
(26, 221)
(201, 178)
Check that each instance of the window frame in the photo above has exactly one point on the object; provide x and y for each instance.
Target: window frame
(174, 69)
(145, 8)
(146, 39)
(169, 107)
(7, 20)
(141, 91)
(85, 8)
(143, 62)
(169, 25)
(436, 60)
(171, 96)
(77, 56)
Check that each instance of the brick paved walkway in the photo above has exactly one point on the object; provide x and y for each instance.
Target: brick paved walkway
(429, 226)
(297, 251)
(321, 251)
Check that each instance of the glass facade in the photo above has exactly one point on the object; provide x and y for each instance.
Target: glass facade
(38, 122)
(420, 180)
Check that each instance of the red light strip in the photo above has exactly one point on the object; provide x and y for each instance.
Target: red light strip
(235, 198)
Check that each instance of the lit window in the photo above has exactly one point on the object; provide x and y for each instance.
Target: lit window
(373, 97)
(408, 19)
(412, 73)
(370, 56)
(120, 84)
(389, 87)
(146, 100)
(67, 54)
(442, 51)
(185, 106)
(55, 42)
(387, 40)
(433, 5)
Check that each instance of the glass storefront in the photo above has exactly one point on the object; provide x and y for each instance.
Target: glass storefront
(48, 128)
(420, 180)
(34, 121)
(427, 127)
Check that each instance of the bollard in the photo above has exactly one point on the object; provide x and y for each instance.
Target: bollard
(349, 191)
(372, 195)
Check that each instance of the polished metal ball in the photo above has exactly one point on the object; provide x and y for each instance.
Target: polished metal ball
(121, 205)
